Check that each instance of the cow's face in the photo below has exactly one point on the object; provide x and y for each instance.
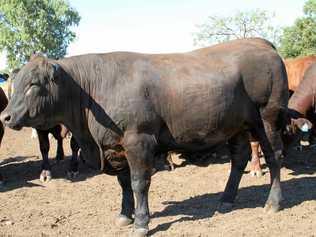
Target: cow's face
(299, 130)
(33, 102)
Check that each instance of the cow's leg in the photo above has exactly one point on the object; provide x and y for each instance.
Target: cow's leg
(44, 147)
(73, 170)
(271, 145)
(128, 205)
(240, 155)
(56, 131)
(255, 167)
(140, 155)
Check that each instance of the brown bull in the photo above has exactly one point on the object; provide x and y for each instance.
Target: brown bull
(126, 109)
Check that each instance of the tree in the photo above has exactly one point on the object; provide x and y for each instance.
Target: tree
(254, 23)
(300, 39)
(28, 26)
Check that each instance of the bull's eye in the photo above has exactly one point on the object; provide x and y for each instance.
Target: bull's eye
(31, 89)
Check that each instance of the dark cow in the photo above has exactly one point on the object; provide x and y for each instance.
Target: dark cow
(59, 132)
(125, 109)
(301, 106)
(3, 104)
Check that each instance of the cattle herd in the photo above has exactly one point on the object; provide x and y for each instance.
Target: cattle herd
(127, 110)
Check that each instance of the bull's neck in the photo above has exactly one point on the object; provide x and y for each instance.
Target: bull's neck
(84, 76)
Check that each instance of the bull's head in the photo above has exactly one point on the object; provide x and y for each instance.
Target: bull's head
(35, 99)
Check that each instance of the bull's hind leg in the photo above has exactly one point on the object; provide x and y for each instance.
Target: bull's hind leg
(140, 155)
(240, 155)
(44, 147)
(271, 145)
(128, 205)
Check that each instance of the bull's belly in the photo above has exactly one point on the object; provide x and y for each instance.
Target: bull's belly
(197, 140)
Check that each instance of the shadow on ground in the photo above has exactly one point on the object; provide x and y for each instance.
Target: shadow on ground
(295, 191)
(21, 171)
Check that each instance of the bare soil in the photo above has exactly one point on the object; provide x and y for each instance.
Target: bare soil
(182, 202)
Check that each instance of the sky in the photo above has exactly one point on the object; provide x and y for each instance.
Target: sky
(159, 26)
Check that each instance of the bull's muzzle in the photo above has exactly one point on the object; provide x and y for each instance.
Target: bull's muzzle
(5, 118)
(304, 141)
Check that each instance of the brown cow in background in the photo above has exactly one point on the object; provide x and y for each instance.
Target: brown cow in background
(297, 69)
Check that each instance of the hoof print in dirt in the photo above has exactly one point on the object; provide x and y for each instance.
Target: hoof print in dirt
(225, 207)
(46, 176)
(122, 221)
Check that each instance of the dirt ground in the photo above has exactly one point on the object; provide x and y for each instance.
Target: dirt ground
(182, 202)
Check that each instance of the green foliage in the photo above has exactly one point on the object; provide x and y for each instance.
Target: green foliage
(28, 26)
(300, 39)
(255, 23)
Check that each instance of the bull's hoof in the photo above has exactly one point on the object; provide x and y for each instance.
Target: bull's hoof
(272, 208)
(123, 220)
(72, 174)
(46, 176)
(256, 173)
(139, 232)
(225, 207)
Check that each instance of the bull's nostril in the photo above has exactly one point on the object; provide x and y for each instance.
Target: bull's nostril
(7, 118)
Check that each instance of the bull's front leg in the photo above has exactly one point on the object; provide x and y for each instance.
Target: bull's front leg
(44, 147)
(128, 206)
(140, 155)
